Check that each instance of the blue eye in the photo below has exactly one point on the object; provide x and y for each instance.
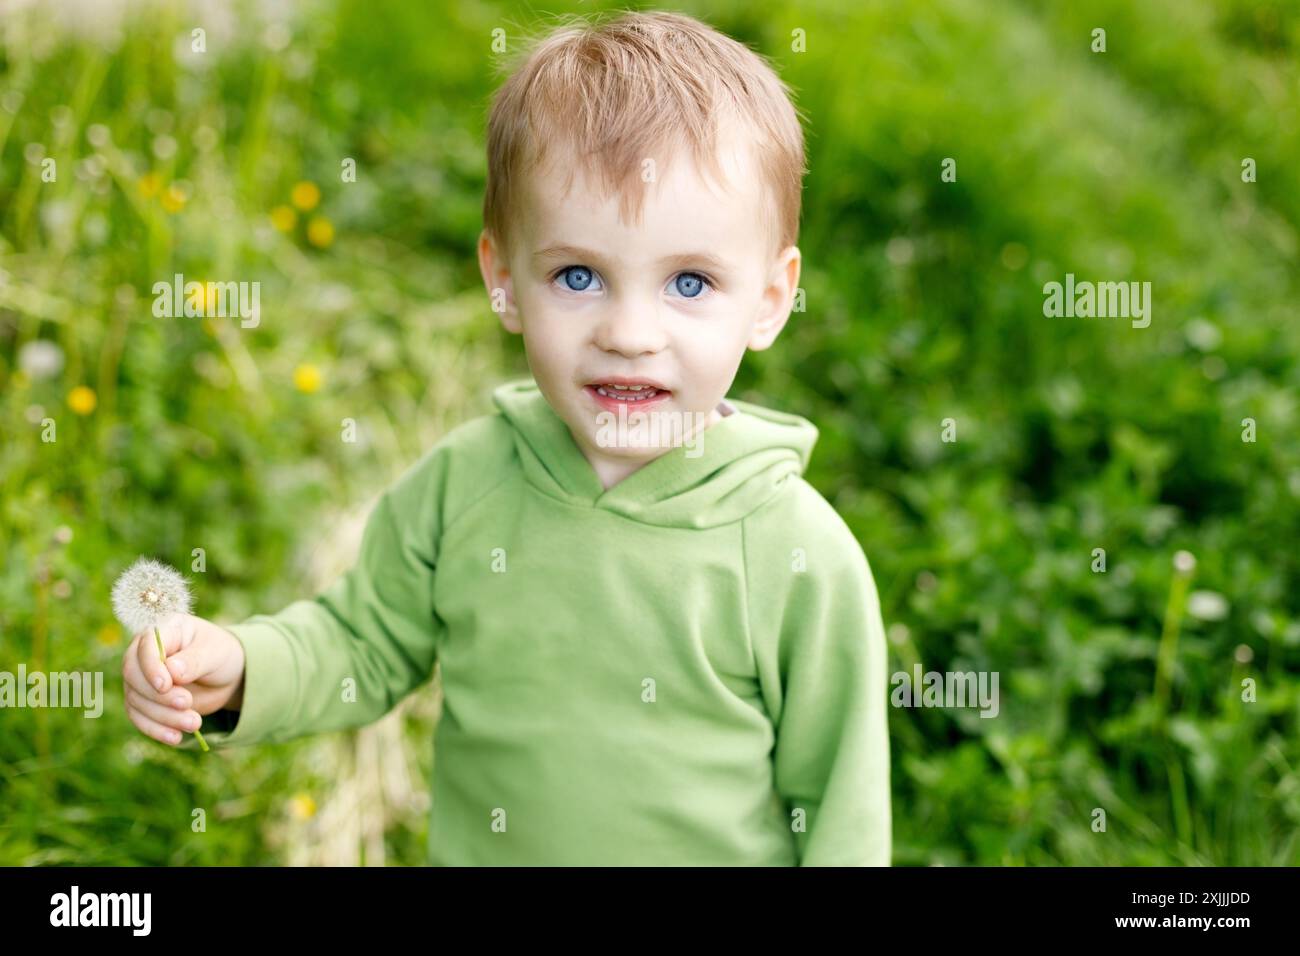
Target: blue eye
(690, 284)
(576, 278)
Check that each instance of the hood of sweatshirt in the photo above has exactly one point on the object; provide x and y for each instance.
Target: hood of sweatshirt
(739, 463)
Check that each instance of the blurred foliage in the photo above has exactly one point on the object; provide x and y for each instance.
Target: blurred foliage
(924, 303)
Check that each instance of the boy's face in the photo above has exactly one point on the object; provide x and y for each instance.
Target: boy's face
(672, 301)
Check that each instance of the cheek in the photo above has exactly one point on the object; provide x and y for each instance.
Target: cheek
(713, 342)
(547, 337)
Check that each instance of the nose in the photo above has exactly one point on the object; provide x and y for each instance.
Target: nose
(630, 329)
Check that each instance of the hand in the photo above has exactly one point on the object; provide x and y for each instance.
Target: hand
(204, 673)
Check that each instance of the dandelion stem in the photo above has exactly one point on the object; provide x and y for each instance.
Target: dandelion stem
(202, 743)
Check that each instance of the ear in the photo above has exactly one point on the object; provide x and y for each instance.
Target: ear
(496, 277)
(778, 299)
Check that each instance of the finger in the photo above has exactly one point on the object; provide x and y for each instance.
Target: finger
(132, 674)
(155, 671)
(204, 699)
(179, 698)
(163, 714)
(151, 728)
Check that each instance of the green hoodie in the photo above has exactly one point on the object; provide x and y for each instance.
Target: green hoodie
(685, 669)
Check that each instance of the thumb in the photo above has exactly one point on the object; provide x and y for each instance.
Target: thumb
(191, 662)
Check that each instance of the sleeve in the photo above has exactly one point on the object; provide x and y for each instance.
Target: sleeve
(348, 656)
(827, 692)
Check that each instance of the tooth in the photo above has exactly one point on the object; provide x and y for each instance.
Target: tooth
(629, 393)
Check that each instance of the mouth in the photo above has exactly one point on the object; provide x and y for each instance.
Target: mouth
(614, 393)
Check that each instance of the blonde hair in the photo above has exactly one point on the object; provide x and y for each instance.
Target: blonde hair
(619, 90)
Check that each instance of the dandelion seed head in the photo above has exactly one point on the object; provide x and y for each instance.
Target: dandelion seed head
(147, 594)
(41, 359)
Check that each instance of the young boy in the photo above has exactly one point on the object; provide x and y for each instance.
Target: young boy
(653, 650)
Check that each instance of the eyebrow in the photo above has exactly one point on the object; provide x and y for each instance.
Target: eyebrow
(681, 260)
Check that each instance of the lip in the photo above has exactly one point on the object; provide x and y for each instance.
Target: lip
(615, 405)
(620, 380)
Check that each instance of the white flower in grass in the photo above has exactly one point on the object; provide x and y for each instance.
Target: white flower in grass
(41, 358)
(147, 594)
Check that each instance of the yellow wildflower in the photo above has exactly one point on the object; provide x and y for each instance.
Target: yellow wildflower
(302, 806)
(82, 400)
(305, 196)
(173, 199)
(283, 218)
(307, 378)
(149, 185)
(320, 232)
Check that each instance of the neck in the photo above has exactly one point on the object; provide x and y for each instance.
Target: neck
(610, 470)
